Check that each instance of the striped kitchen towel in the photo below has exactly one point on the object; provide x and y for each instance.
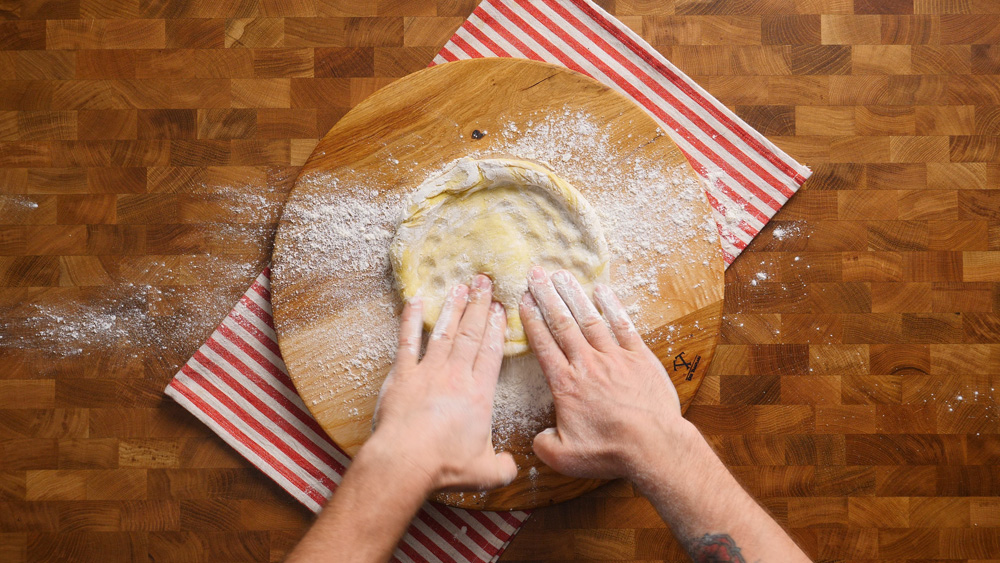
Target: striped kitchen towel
(237, 384)
(748, 178)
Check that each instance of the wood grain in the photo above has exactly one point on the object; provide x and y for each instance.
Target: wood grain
(97, 123)
(394, 124)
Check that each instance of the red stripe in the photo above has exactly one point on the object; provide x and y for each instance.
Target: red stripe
(509, 518)
(267, 386)
(507, 35)
(429, 544)
(257, 310)
(728, 192)
(252, 421)
(261, 290)
(632, 90)
(247, 349)
(474, 535)
(489, 524)
(245, 440)
(734, 198)
(296, 410)
(410, 552)
(666, 96)
(448, 56)
(263, 407)
(707, 104)
(464, 45)
(278, 373)
(434, 525)
(482, 38)
(262, 337)
(726, 233)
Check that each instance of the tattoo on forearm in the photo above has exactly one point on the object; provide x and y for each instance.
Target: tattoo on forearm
(714, 548)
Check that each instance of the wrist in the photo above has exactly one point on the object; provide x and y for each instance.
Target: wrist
(663, 450)
(381, 458)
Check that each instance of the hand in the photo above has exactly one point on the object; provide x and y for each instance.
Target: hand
(613, 398)
(435, 413)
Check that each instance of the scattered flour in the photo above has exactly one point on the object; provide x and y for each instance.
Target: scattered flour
(345, 234)
(153, 308)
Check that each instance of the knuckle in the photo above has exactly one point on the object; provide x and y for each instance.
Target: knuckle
(564, 384)
(443, 336)
(592, 323)
(468, 333)
(561, 323)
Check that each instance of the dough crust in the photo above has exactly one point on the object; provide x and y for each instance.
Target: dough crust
(498, 217)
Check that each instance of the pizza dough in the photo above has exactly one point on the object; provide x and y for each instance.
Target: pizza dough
(497, 217)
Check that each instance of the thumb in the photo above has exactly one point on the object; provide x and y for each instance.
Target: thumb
(549, 447)
(496, 470)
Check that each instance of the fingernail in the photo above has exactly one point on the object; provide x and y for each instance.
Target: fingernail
(562, 276)
(481, 282)
(496, 308)
(415, 301)
(537, 274)
(460, 290)
(528, 299)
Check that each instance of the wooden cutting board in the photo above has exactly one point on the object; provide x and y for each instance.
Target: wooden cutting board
(426, 120)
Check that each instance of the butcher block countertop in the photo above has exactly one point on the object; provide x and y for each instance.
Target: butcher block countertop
(146, 147)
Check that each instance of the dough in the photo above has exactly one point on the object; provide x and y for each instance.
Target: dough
(498, 217)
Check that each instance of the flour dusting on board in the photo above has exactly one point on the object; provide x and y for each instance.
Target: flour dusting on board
(346, 234)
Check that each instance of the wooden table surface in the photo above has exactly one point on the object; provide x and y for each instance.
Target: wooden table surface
(146, 146)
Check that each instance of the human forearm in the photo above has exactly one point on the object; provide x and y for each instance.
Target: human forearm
(704, 505)
(369, 512)
(432, 431)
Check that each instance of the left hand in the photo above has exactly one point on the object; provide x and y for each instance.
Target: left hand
(435, 413)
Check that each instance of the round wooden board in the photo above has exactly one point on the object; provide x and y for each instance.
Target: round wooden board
(427, 119)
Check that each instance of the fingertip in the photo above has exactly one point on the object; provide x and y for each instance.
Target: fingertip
(528, 300)
(481, 288)
(544, 443)
(536, 274)
(508, 468)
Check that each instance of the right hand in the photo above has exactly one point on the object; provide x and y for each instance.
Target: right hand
(613, 399)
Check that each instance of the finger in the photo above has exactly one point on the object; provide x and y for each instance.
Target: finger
(492, 471)
(542, 343)
(591, 323)
(621, 324)
(473, 324)
(490, 355)
(549, 448)
(443, 335)
(411, 328)
(557, 316)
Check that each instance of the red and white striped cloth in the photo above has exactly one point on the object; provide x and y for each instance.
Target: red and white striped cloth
(237, 383)
(748, 177)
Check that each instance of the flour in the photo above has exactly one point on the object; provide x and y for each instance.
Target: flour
(158, 309)
(346, 234)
